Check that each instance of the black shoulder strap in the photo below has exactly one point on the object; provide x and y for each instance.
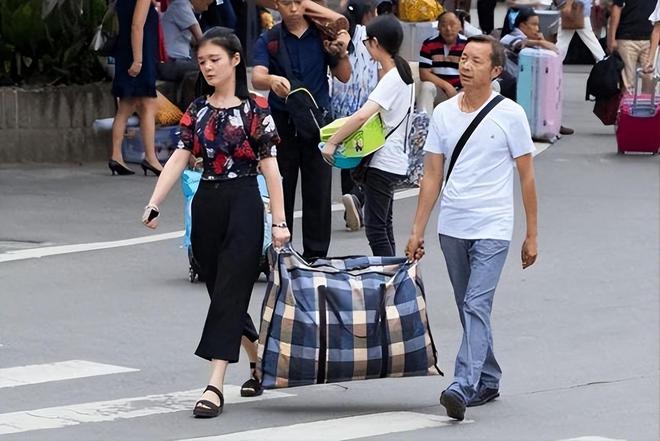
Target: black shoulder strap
(283, 56)
(468, 132)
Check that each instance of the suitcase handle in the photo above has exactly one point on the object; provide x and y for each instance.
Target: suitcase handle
(638, 74)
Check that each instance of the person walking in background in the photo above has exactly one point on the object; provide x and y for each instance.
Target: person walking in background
(347, 98)
(628, 33)
(475, 221)
(393, 98)
(438, 63)
(655, 38)
(134, 84)
(486, 15)
(586, 34)
(309, 62)
(235, 135)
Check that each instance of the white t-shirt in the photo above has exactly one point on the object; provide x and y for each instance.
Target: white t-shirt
(655, 16)
(394, 97)
(477, 200)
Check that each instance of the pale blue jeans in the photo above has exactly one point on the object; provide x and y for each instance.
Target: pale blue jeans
(474, 268)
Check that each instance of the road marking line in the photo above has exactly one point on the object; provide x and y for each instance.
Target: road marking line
(63, 370)
(337, 429)
(104, 411)
(33, 253)
(66, 249)
(592, 438)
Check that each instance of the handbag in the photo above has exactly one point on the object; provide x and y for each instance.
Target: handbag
(343, 319)
(104, 41)
(327, 21)
(572, 15)
(167, 113)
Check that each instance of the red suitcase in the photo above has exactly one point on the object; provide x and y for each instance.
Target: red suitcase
(638, 122)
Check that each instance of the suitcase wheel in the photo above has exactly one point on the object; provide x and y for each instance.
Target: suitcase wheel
(192, 275)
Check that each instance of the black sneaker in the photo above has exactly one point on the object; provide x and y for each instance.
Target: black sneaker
(353, 213)
(484, 395)
(454, 404)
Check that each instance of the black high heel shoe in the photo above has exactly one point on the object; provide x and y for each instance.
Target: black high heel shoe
(119, 169)
(146, 166)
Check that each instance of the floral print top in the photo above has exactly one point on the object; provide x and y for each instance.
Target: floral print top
(220, 137)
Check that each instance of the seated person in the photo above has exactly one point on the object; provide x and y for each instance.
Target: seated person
(438, 63)
(180, 26)
(526, 33)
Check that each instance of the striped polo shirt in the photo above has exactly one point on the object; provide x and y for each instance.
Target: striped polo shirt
(442, 62)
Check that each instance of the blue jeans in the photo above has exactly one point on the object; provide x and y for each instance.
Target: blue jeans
(474, 268)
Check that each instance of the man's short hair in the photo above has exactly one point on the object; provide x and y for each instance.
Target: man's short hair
(446, 14)
(497, 55)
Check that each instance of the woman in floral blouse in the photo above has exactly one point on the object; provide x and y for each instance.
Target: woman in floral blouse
(234, 133)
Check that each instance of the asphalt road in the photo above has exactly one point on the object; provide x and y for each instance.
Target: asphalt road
(576, 335)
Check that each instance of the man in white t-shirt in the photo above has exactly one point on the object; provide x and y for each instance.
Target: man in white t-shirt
(475, 221)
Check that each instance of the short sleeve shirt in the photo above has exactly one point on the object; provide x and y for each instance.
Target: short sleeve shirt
(309, 62)
(442, 60)
(634, 23)
(477, 200)
(394, 98)
(176, 21)
(220, 137)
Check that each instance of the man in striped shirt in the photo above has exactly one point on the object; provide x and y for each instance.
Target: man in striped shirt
(438, 63)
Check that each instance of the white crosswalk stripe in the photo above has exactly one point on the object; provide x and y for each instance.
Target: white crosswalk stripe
(104, 411)
(63, 370)
(338, 429)
(592, 438)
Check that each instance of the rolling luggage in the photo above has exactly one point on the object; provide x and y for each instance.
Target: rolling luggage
(638, 122)
(342, 319)
(539, 91)
(189, 184)
(166, 140)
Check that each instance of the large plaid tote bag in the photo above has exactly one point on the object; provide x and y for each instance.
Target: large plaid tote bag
(342, 319)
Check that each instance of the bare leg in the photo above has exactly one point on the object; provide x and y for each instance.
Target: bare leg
(147, 112)
(218, 369)
(250, 348)
(125, 109)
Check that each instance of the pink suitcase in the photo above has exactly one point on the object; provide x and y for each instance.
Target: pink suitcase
(539, 91)
(638, 122)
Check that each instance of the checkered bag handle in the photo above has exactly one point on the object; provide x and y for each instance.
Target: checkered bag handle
(380, 313)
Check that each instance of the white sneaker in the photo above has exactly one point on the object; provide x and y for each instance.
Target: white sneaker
(353, 212)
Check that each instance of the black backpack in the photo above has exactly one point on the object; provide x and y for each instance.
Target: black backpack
(605, 78)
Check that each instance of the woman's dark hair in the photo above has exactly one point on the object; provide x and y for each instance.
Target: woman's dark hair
(226, 39)
(355, 12)
(385, 7)
(389, 33)
(524, 14)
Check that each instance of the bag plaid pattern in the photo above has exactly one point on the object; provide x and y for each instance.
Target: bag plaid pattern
(343, 319)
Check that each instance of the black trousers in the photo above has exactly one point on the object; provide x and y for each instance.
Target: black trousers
(379, 200)
(486, 14)
(227, 237)
(296, 155)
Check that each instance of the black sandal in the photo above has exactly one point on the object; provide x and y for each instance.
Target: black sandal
(211, 410)
(252, 387)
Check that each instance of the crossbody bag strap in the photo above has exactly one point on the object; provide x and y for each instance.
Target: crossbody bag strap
(283, 55)
(470, 129)
(404, 117)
